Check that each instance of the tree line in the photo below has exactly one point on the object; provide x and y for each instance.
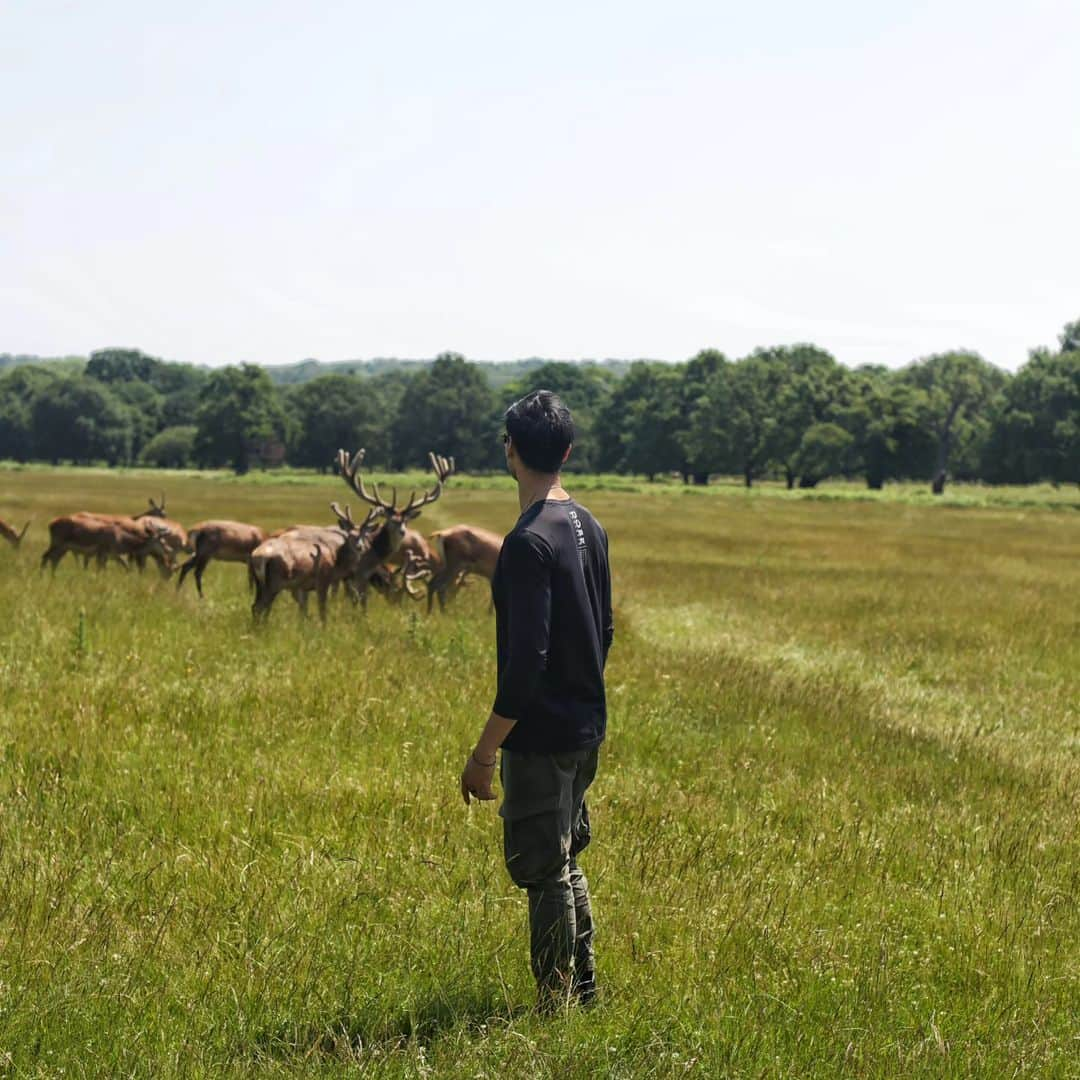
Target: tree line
(791, 411)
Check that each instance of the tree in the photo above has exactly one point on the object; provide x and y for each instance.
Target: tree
(449, 408)
(170, 448)
(824, 450)
(121, 365)
(884, 415)
(697, 434)
(1036, 430)
(807, 387)
(77, 419)
(145, 408)
(752, 388)
(330, 413)
(1069, 338)
(637, 430)
(958, 387)
(240, 418)
(19, 388)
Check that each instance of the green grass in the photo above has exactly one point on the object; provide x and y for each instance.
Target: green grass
(836, 820)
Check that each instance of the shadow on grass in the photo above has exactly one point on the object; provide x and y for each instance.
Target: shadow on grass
(376, 1032)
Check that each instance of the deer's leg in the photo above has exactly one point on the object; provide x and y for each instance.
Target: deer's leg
(323, 593)
(265, 595)
(200, 569)
(186, 569)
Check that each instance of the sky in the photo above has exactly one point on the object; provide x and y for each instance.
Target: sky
(265, 182)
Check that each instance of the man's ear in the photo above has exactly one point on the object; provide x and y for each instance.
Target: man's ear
(567, 454)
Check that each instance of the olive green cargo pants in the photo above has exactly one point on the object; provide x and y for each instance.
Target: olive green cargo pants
(545, 827)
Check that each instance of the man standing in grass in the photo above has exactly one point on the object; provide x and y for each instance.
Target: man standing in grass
(552, 591)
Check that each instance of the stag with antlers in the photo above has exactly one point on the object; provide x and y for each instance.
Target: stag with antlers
(173, 535)
(389, 539)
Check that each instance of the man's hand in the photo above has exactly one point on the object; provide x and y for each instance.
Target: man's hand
(476, 780)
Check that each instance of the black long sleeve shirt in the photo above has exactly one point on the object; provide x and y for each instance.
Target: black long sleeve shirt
(554, 626)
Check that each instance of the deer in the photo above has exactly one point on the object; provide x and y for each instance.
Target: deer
(226, 541)
(458, 551)
(390, 538)
(308, 559)
(10, 535)
(105, 537)
(174, 535)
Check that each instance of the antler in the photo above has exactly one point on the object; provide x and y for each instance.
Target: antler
(413, 569)
(350, 472)
(344, 516)
(444, 469)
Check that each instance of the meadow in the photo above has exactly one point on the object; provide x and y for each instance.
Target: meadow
(836, 822)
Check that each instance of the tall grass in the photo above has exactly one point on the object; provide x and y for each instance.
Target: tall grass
(836, 819)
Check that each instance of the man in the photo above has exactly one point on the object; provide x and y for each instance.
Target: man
(552, 593)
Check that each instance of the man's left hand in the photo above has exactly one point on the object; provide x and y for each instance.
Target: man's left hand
(476, 780)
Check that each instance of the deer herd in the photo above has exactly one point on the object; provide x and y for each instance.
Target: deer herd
(381, 551)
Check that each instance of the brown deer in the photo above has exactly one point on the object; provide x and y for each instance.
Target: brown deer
(104, 537)
(308, 559)
(10, 535)
(226, 541)
(458, 551)
(173, 535)
(389, 539)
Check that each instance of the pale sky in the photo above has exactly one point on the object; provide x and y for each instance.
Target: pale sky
(224, 182)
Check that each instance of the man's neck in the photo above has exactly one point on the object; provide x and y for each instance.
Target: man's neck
(534, 487)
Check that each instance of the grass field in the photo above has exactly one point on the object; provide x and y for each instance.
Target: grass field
(836, 825)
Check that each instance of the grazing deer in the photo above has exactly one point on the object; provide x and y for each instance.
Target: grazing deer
(104, 537)
(308, 559)
(226, 541)
(173, 535)
(458, 551)
(10, 535)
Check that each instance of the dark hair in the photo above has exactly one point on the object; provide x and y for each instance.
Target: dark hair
(542, 429)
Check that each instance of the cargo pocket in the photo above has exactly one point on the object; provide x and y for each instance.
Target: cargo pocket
(537, 849)
(532, 784)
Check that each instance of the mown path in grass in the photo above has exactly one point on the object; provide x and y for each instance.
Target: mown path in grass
(836, 819)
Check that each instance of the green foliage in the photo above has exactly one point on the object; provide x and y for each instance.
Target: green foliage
(79, 420)
(949, 414)
(449, 408)
(239, 417)
(638, 429)
(1036, 435)
(959, 388)
(171, 448)
(19, 388)
(824, 450)
(331, 413)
